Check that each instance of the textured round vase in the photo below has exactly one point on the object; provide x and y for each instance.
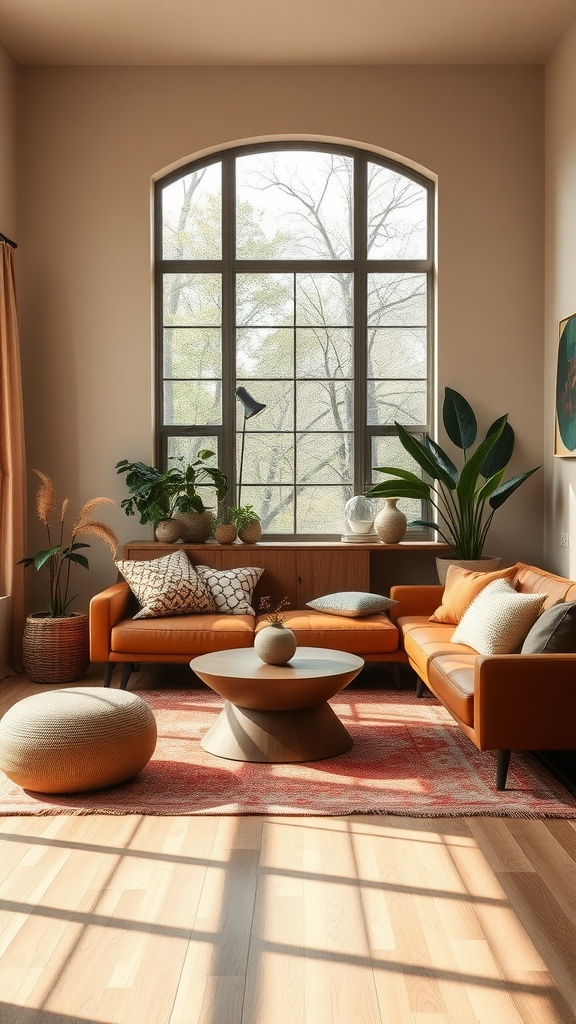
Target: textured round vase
(225, 534)
(487, 564)
(275, 644)
(168, 531)
(56, 650)
(195, 527)
(251, 534)
(390, 523)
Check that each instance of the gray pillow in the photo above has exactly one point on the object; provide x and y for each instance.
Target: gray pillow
(352, 603)
(554, 632)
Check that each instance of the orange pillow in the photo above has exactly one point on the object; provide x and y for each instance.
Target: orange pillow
(462, 586)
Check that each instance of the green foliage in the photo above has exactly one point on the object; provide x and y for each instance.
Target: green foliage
(242, 516)
(58, 558)
(466, 498)
(156, 495)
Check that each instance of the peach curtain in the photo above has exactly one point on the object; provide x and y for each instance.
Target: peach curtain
(12, 468)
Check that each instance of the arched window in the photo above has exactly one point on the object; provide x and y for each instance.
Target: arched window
(302, 273)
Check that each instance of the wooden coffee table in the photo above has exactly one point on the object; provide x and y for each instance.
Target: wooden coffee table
(277, 713)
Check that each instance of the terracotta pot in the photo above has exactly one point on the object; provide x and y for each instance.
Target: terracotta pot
(225, 534)
(56, 650)
(251, 534)
(275, 644)
(168, 531)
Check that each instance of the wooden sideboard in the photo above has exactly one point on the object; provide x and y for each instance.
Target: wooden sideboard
(302, 571)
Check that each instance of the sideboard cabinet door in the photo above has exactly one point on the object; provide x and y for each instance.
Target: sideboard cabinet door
(320, 572)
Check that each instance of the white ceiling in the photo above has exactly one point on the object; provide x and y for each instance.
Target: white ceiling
(260, 32)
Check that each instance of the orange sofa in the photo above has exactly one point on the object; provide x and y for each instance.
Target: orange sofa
(117, 638)
(501, 702)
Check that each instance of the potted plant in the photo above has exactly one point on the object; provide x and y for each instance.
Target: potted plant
(247, 523)
(172, 496)
(55, 643)
(275, 644)
(465, 498)
(224, 531)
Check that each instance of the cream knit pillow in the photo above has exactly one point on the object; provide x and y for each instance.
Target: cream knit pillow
(499, 619)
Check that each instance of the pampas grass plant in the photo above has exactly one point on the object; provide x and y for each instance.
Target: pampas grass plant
(57, 559)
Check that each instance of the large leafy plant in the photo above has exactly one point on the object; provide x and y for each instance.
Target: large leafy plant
(61, 554)
(465, 499)
(157, 495)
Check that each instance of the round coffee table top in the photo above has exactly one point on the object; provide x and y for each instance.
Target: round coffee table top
(313, 675)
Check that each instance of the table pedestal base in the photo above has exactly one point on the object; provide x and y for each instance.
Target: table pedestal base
(277, 737)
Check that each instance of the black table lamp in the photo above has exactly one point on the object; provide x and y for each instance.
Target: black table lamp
(251, 408)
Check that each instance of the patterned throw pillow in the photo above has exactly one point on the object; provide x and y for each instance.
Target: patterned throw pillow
(167, 586)
(231, 589)
(352, 603)
(498, 619)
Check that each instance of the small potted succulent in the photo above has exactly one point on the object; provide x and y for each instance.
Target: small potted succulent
(224, 531)
(55, 643)
(247, 522)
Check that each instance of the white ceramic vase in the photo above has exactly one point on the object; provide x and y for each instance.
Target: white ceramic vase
(390, 523)
(275, 644)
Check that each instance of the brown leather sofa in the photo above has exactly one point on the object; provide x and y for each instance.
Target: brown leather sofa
(117, 638)
(501, 702)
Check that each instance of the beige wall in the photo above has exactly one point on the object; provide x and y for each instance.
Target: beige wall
(8, 145)
(560, 288)
(93, 139)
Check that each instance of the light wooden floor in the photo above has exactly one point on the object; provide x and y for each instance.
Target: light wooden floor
(274, 920)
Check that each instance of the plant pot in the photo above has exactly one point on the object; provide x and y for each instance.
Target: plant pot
(390, 523)
(196, 527)
(56, 650)
(168, 531)
(225, 534)
(486, 564)
(275, 644)
(250, 534)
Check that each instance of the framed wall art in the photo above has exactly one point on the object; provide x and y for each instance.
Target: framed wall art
(565, 425)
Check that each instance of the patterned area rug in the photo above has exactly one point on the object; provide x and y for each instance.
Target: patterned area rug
(408, 758)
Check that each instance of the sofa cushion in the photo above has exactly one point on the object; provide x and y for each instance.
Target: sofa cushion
(373, 634)
(452, 678)
(462, 586)
(499, 619)
(166, 586)
(424, 640)
(232, 589)
(352, 603)
(554, 632)
(184, 636)
(530, 579)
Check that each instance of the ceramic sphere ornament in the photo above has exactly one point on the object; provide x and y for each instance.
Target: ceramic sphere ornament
(360, 513)
(275, 644)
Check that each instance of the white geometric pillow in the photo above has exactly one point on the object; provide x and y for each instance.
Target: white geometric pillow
(167, 586)
(231, 589)
(499, 619)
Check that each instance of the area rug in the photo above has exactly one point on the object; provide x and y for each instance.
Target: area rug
(408, 758)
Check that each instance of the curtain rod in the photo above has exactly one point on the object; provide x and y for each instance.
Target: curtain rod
(4, 238)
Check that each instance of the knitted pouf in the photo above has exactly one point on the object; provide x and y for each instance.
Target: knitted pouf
(72, 740)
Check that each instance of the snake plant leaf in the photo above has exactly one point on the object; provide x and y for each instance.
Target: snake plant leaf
(459, 419)
(442, 459)
(471, 469)
(432, 526)
(424, 457)
(489, 487)
(501, 453)
(502, 493)
(400, 489)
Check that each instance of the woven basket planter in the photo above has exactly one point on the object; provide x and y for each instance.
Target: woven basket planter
(56, 650)
(196, 526)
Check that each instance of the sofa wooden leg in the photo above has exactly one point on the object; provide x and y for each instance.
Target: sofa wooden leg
(419, 686)
(502, 764)
(108, 670)
(127, 670)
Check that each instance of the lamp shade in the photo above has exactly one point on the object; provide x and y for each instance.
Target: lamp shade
(251, 406)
